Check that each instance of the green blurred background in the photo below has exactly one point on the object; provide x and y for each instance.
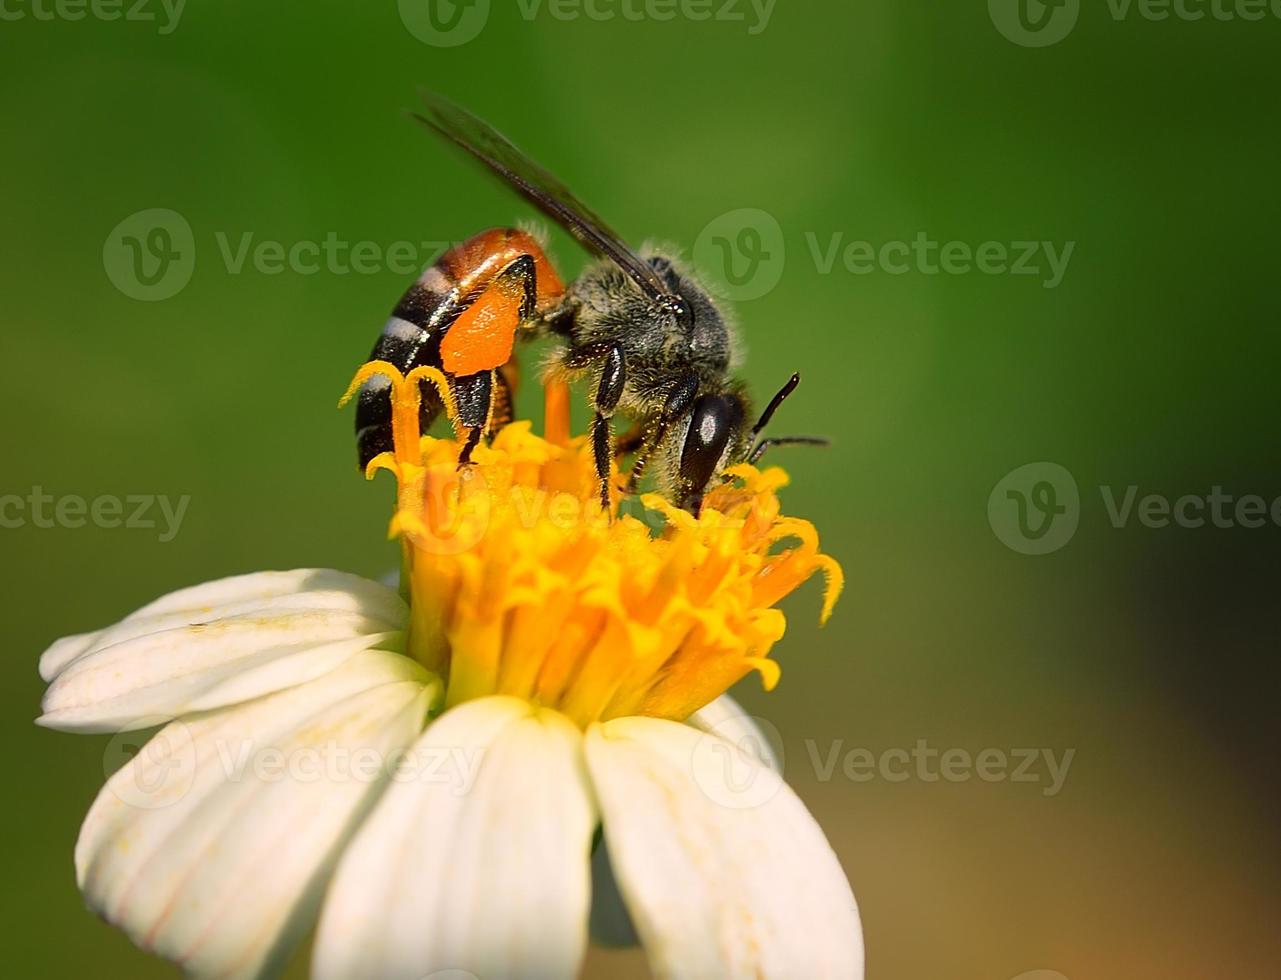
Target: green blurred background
(1152, 145)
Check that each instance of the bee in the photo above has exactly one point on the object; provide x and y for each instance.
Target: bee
(646, 334)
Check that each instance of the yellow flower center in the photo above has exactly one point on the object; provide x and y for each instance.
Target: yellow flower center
(519, 583)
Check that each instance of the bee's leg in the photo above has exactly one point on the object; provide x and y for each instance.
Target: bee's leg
(473, 403)
(473, 440)
(504, 399)
(652, 438)
(677, 404)
(613, 377)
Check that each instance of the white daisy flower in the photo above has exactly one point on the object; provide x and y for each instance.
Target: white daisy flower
(422, 779)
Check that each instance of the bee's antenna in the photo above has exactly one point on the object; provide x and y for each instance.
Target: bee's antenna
(774, 402)
(759, 449)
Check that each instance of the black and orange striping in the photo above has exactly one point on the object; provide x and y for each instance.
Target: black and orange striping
(462, 316)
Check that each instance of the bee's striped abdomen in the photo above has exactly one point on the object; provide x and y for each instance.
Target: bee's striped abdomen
(411, 337)
(424, 314)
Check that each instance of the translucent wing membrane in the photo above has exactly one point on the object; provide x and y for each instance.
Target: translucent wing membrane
(542, 190)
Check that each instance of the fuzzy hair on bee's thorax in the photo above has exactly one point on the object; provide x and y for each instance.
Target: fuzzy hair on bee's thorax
(664, 354)
(659, 350)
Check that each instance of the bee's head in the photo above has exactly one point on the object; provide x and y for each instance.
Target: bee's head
(711, 438)
(714, 436)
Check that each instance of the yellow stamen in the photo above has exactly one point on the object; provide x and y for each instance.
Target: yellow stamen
(520, 584)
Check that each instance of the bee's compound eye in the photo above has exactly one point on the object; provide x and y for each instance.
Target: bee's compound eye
(714, 421)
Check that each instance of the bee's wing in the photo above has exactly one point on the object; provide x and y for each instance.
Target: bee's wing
(540, 188)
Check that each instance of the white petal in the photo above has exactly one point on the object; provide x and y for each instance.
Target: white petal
(724, 871)
(483, 870)
(212, 847)
(611, 924)
(755, 736)
(204, 602)
(214, 645)
(61, 652)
